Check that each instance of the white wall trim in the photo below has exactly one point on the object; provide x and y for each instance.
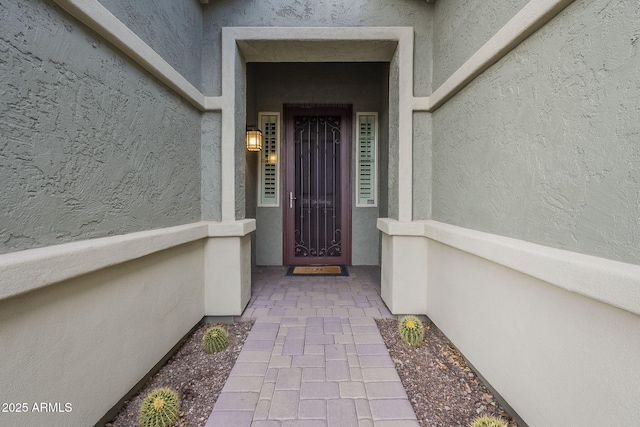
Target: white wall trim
(237, 41)
(611, 282)
(100, 20)
(213, 103)
(31, 269)
(231, 229)
(392, 227)
(227, 147)
(329, 34)
(405, 128)
(530, 18)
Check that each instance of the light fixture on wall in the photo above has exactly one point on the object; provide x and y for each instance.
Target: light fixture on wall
(272, 158)
(254, 140)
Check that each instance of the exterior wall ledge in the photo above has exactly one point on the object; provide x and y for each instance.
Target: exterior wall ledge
(532, 17)
(232, 228)
(31, 269)
(394, 227)
(319, 33)
(97, 17)
(611, 282)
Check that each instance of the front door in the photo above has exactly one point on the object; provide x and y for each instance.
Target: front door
(317, 203)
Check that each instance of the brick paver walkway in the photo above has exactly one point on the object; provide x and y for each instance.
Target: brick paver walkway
(314, 357)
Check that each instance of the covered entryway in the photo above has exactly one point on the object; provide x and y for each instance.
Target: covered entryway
(315, 216)
(317, 208)
(369, 68)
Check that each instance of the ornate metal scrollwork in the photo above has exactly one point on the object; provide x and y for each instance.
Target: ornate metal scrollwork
(317, 155)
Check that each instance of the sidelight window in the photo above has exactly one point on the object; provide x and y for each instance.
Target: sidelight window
(269, 167)
(367, 157)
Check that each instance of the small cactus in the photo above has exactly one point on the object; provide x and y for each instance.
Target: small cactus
(215, 339)
(411, 330)
(487, 421)
(160, 408)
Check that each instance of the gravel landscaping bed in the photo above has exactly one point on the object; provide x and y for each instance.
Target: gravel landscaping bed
(443, 390)
(198, 377)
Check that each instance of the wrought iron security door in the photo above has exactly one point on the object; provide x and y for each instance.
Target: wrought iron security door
(317, 208)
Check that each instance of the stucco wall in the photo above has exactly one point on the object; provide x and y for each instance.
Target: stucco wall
(390, 176)
(361, 84)
(422, 166)
(87, 341)
(460, 27)
(172, 28)
(322, 13)
(559, 358)
(240, 112)
(211, 186)
(91, 145)
(383, 149)
(544, 145)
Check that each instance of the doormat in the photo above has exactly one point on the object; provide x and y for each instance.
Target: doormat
(317, 270)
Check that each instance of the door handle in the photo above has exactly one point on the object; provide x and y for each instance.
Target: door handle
(291, 199)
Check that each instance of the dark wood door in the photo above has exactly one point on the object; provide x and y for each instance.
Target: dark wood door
(317, 202)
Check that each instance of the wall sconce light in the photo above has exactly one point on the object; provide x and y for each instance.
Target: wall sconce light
(254, 140)
(272, 158)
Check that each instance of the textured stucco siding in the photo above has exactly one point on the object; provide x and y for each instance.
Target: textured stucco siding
(211, 187)
(390, 177)
(544, 146)
(240, 113)
(460, 27)
(90, 145)
(172, 28)
(422, 166)
(318, 13)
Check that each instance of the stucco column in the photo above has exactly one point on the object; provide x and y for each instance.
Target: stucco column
(404, 61)
(403, 266)
(227, 268)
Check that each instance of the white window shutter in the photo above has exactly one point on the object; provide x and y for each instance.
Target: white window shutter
(367, 156)
(269, 160)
